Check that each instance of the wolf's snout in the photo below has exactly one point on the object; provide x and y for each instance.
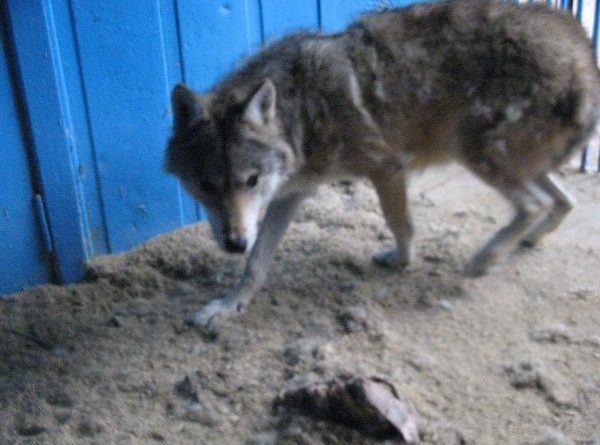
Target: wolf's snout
(236, 244)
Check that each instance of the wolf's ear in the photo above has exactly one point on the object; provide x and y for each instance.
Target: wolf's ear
(261, 108)
(187, 107)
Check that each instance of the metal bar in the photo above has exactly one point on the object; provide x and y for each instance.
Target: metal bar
(579, 10)
(595, 44)
(566, 4)
(584, 154)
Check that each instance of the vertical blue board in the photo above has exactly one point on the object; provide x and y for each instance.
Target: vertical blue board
(282, 16)
(21, 262)
(126, 77)
(35, 39)
(190, 211)
(337, 14)
(97, 241)
(214, 36)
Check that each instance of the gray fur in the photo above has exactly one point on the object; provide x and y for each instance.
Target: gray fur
(510, 92)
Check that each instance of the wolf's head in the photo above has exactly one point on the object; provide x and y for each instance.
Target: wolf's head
(231, 155)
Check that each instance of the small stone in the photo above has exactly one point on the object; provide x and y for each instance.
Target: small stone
(199, 348)
(60, 398)
(292, 356)
(433, 259)
(581, 293)
(198, 413)
(62, 415)
(186, 389)
(397, 375)
(526, 375)
(353, 267)
(265, 438)
(62, 351)
(353, 319)
(551, 334)
(446, 305)
(592, 441)
(561, 394)
(323, 351)
(114, 322)
(441, 433)
(298, 351)
(555, 438)
(88, 428)
(425, 299)
(328, 438)
(32, 429)
(420, 360)
(157, 436)
(531, 375)
(382, 293)
(592, 340)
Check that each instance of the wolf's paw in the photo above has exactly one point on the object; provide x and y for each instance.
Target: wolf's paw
(211, 317)
(392, 259)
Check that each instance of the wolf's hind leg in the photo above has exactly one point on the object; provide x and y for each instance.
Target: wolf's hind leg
(391, 189)
(531, 205)
(562, 205)
(277, 218)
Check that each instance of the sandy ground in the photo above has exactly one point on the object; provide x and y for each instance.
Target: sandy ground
(503, 359)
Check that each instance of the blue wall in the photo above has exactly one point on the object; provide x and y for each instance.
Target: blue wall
(21, 258)
(84, 116)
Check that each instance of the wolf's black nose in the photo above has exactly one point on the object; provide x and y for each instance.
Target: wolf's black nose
(236, 245)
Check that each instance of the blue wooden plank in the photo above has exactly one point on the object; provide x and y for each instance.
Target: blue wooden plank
(81, 132)
(21, 258)
(337, 14)
(596, 30)
(566, 4)
(214, 36)
(126, 77)
(282, 16)
(36, 44)
(402, 3)
(190, 211)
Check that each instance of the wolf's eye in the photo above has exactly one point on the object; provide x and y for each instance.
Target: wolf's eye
(252, 181)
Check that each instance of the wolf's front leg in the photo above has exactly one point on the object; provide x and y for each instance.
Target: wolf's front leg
(279, 215)
(390, 185)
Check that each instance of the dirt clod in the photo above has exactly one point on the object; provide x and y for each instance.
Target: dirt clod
(199, 413)
(554, 333)
(60, 398)
(265, 438)
(88, 427)
(354, 319)
(555, 438)
(186, 389)
(30, 429)
(114, 322)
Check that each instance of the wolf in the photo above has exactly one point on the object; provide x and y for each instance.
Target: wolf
(510, 92)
